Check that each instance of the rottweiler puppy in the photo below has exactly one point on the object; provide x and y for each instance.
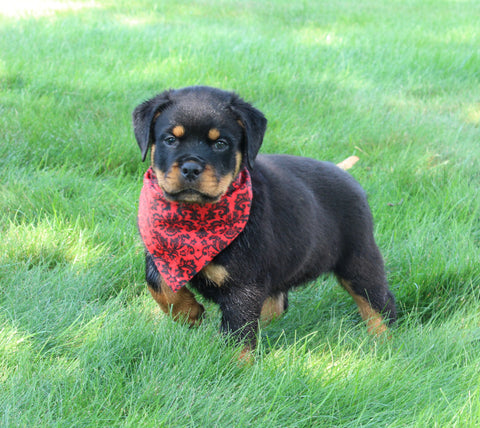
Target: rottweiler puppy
(301, 217)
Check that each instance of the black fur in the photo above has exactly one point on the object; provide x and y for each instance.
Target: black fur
(307, 217)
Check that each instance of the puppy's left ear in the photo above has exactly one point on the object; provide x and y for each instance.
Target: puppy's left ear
(143, 116)
(254, 124)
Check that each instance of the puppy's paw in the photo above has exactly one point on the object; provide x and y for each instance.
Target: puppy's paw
(246, 357)
(195, 316)
(181, 306)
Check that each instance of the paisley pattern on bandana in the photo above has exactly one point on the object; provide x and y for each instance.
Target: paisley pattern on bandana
(183, 238)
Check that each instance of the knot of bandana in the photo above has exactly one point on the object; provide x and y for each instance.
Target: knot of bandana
(183, 238)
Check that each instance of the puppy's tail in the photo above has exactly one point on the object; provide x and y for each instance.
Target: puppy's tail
(348, 163)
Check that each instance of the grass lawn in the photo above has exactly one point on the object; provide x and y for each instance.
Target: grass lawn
(395, 82)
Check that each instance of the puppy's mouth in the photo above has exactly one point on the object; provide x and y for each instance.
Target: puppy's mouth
(191, 196)
(203, 187)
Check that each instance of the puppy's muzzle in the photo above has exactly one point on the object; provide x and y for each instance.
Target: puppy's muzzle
(191, 170)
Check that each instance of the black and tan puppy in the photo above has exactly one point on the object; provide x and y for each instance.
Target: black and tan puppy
(306, 217)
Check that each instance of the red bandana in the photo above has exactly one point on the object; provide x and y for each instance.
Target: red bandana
(184, 238)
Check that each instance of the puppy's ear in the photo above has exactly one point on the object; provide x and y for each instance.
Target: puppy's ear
(143, 116)
(254, 124)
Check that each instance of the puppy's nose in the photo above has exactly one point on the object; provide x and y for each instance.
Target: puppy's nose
(191, 170)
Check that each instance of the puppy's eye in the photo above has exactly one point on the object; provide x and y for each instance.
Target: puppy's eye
(170, 141)
(220, 145)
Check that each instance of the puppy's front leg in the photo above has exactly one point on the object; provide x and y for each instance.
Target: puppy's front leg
(241, 308)
(182, 305)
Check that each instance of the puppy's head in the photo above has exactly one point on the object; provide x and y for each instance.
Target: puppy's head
(200, 138)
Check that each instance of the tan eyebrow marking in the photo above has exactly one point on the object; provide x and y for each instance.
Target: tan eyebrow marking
(178, 131)
(213, 134)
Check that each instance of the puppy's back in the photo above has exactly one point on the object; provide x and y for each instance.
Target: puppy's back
(306, 215)
(297, 179)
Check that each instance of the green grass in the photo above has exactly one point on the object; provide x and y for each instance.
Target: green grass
(81, 341)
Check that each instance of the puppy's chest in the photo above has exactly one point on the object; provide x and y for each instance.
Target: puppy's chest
(214, 275)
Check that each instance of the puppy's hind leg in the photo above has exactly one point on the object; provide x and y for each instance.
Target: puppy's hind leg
(273, 308)
(364, 278)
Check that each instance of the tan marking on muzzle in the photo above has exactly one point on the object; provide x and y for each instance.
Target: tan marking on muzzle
(152, 154)
(238, 164)
(208, 183)
(212, 185)
(169, 182)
